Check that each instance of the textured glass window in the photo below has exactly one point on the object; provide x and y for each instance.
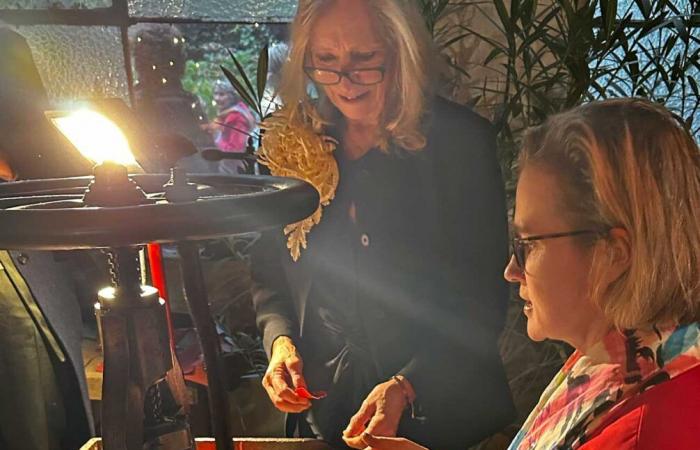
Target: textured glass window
(54, 4)
(216, 10)
(625, 7)
(78, 62)
(650, 63)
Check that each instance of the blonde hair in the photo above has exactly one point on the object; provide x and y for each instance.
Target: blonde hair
(630, 163)
(403, 29)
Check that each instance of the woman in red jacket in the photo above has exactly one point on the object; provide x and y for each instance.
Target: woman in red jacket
(607, 256)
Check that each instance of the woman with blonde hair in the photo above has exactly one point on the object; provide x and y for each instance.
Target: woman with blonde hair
(407, 255)
(607, 256)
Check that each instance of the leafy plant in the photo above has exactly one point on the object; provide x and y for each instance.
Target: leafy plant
(432, 11)
(208, 48)
(251, 93)
(552, 57)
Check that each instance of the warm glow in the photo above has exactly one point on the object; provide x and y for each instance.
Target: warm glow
(96, 137)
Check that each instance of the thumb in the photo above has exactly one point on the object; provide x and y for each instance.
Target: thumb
(380, 443)
(370, 440)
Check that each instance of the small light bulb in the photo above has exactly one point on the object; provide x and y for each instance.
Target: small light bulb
(194, 105)
(176, 40)
(138, 39)
(172, 63)
(153, 67)
(164, 80)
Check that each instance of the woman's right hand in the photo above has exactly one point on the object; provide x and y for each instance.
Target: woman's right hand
(284, 375)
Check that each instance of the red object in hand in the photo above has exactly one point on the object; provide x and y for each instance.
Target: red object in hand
(304, 393)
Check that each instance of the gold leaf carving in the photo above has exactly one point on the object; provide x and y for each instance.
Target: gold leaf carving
(293, 149)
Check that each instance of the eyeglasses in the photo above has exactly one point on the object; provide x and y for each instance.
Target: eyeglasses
(521, 246)
(363, 77)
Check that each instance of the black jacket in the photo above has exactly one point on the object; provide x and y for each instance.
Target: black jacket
(430, 245)
(40, 286)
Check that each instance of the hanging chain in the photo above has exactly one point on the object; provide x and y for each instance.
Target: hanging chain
(118, 259)
(154, 405)
(112, 266)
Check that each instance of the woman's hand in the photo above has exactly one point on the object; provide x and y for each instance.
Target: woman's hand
(284, 375)
(379, 414)
(389, 443)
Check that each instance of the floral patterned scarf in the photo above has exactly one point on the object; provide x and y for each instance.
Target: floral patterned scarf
(590, 386)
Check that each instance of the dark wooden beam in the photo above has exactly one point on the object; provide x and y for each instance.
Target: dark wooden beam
(84, 17)
(114, 16)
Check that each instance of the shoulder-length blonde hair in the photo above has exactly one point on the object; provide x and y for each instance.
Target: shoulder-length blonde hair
(404, 31)
(630, 163)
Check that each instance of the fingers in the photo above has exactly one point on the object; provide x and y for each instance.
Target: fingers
(361, 417)
(355, 442)
(353, 433)
(285, 400)
(375, 443)
(379, 426)
(281, 393)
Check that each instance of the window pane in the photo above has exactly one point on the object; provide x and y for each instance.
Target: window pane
(660, 65)
(54, 4)
(625, 7)
(180, 88)
(216, 10)
(78, 62)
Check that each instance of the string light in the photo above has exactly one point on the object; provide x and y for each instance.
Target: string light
(164, 80)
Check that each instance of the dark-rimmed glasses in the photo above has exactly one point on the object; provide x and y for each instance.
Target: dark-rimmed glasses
(363, 77)
(521, 246)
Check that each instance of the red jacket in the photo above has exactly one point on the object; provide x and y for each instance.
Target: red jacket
(666, 417)
(236, 124)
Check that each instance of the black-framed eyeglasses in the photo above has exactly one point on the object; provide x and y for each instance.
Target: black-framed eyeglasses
(363, 77)
(521, 246)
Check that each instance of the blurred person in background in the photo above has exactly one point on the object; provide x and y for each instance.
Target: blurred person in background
(169, 113)
(277, 57)
(233, 126)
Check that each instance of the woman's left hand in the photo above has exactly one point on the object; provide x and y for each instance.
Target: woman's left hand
(379, 414)
(389, 443)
